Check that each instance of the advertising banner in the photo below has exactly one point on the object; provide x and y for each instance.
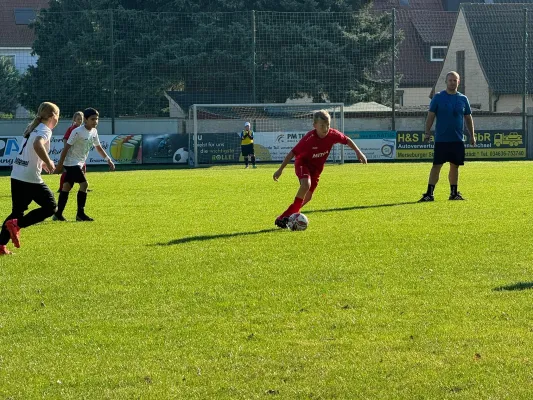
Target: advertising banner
(376, 145)
(166, 149)
(491, 144)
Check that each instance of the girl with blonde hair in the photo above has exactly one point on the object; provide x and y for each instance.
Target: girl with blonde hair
(27, 184)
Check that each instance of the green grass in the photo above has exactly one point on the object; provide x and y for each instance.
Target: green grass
(183, 288)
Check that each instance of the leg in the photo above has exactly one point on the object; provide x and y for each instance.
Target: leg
(62, 201)
(309, 194)
(453, 176)
(20, 200)
(44, 197)
(434, 174)
(62, 181)
(82, 199)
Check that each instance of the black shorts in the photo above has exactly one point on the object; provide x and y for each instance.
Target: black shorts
(74, 174)
(23, 193)
(452, 152)
(247, 149)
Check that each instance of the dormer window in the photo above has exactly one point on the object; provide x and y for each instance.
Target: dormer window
(438, 53)
(24, 16)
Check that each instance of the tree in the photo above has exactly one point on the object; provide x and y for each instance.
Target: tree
(133, 56)
(9, 86)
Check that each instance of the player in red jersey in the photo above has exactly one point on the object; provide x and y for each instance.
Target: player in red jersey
(77, 120)
(311, 154)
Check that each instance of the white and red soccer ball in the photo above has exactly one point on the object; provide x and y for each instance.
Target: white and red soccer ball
(297, 222)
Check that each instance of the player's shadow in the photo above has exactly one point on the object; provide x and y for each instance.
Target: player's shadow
(201, 238)
(360, 207)
(515, 286)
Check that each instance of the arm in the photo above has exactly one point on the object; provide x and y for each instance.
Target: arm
(429, 123)
(38, 146)
(59, 166)
(360, 156)
(286, 160)
(102, 152)
(470, 125)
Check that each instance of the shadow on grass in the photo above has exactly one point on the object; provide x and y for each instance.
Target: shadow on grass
(201, 238)
(360, 207)
(515, 286)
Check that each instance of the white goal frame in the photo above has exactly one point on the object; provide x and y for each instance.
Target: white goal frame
(337, 120)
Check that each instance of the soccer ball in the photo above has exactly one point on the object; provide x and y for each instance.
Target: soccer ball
(297, 222)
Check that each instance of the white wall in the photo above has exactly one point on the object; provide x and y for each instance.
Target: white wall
(416, 97)
(476, 86)
(23, 57)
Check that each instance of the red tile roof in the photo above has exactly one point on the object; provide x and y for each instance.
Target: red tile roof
(11, 34)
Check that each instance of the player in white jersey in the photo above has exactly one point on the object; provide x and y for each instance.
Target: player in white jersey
(26, 182)
(73, 157)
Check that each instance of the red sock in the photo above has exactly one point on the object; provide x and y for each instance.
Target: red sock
(295, 207)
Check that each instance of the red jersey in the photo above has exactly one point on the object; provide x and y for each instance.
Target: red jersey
(314, 151)
(69, 131)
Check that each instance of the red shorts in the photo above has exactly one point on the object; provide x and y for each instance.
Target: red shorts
(304, 171)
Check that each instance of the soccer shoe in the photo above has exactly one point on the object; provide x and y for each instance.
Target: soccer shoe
(254, 167)
(456, 197)
(281, 222)
(426, 197)
(14, 231)
(58, 217)
(4, 251)
(83, 217)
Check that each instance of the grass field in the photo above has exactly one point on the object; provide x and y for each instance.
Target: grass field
(183, 288)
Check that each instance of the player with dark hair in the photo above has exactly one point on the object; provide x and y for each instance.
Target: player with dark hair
(73, 158)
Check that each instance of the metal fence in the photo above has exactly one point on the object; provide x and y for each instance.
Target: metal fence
(383, 65)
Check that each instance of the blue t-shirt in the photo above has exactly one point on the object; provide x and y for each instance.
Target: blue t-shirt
(450, 110)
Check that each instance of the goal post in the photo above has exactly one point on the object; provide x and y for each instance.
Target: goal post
(215, 130)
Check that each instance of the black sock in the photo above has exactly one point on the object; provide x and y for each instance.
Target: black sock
(62, 202)
(253, 160)
(431, 189)
(453, 190)
(246, 161)
(82, 199)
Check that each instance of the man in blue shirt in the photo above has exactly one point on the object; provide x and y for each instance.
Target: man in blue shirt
(451, 109)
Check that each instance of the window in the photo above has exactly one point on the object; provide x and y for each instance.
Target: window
(399, 97)
(23, 16)
(438, 53)
(8, 57)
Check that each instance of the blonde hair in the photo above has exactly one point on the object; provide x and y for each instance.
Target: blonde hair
(321, 115)
(80, 113)
(45, 111)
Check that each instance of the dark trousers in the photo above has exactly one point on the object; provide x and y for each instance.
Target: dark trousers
(22, 194)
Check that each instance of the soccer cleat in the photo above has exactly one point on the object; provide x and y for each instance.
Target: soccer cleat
(282, 222)
(4, 251)
(14, 231)
(255, 166)
(58, 217)
(456, 196)
(426, 197)
(83, 217)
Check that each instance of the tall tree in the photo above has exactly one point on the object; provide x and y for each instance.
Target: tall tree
(9, 86)
(328, 52)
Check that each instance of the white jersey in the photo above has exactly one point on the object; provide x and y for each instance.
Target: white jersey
(81, 141)
(27, 166)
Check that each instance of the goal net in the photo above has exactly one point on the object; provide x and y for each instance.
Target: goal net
(215, 130)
